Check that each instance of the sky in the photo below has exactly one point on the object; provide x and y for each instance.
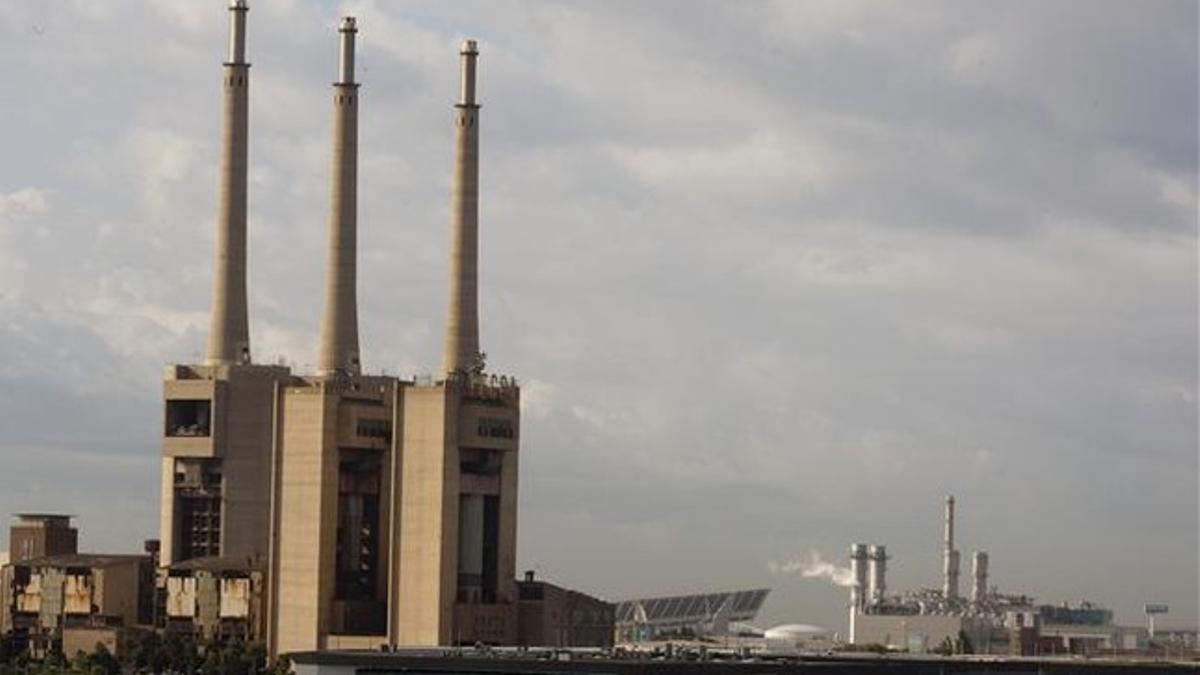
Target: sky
(775, 277)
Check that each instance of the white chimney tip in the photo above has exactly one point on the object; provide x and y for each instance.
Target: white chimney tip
(468, 47)
(349, 23)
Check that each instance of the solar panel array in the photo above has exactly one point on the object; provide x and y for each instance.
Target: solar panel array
(693, 608)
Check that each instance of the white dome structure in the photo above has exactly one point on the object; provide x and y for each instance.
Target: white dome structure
(797, 637)
(795, 631)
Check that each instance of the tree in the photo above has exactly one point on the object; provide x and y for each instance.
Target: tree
(179, 654)
(963, 644)
(104, 661)
(234, 660)
(282, 666)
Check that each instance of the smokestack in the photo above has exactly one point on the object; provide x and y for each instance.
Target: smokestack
(979, 575)
(949, 555)
(858, 591)
(339, 326)
(229, 335)
(858, 572)
(877, 585)
(461, 349)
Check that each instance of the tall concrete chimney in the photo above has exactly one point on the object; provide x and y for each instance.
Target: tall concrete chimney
(949, 555)
(858, 591)
(979, 573)
(877, 571)
(339, 326)
(229, 336)
(461, 349)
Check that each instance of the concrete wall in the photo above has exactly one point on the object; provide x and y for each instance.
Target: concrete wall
(307, 518)
(241, 428)
(899, 632)
(84, 640)
(428, 518)
(115, 591)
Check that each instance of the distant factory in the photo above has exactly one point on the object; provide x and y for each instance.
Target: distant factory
(987, 621)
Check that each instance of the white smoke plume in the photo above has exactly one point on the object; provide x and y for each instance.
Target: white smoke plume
(814, 568)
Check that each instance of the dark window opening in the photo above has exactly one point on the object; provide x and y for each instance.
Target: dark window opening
(200, 526)
(532, 591)
(189, 417)
(491, 547)
(357, 572)
(480, 462)
(374, 429)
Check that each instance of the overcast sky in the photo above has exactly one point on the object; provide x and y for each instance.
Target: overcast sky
(775, 277)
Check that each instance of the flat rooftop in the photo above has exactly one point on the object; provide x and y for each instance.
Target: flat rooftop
(456, 660)
(82, 560)
(43, 517)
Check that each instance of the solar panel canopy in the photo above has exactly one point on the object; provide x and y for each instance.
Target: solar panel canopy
(688, 609)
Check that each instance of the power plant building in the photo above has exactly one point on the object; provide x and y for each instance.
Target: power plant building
(376, 510)
(941, 619)
(36, 535)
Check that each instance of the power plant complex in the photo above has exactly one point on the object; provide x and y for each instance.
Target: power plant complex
(985, 621)
(374, 510)
(330, 514)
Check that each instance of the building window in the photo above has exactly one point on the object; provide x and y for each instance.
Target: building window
(189, 417)
(374, 429)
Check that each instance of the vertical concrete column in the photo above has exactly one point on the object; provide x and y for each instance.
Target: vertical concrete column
(229, 335)
(461, 348)
(979, 575)
(877, 572)
(339, 326)
(470, 546)
(950, 562)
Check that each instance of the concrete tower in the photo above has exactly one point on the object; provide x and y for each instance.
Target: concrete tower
(339, 327)
(877, 568)
(229, 336)
(461, 350)
(858, 591)
(979, 576)
(218, 419)
(461, 439)
(949, 556)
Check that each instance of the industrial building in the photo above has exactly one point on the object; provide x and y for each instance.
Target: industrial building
(986, 621)
(74, 601)
(375, 510)
(37, 535)
(553, 616)
(212, 600)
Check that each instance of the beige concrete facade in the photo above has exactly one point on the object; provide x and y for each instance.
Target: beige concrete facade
(332, 565)
(460, 441)
(412, 455)
(86, 638)
(218, 434)
(381, 511)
